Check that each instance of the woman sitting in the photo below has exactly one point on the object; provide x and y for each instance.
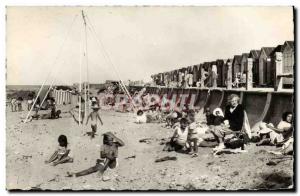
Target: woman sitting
(270, 135)
(233, 122)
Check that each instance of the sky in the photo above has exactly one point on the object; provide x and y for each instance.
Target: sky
(46, 44)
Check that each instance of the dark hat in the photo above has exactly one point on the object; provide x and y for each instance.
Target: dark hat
(110, 134)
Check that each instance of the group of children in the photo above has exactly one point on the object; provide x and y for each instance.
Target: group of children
(16, 104)
(190, 131)
(108, 155)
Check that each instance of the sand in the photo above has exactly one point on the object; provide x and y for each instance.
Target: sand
(30, 144)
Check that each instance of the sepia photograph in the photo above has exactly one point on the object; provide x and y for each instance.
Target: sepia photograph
(150, 98)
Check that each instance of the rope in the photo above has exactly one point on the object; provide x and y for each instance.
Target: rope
(107, 57)
(54, 63)
(80, 80)
(87, 67)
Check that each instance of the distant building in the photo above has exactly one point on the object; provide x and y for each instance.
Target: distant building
(227, 73)
(288, 52)
(236, 65)
(244, 62)
(273, 63)
(97, 86)
(196, 75)
(220, 81)
(254, 54)
(265, 66)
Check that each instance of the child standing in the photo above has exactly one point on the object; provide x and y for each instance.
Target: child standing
(94, 115)
(62, 154)
(13, 104)
(108, 154)
(192, 138)
(19, 103)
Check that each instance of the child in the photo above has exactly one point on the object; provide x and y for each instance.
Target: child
(13, 104)
(19, 103)
(218, 117)
(141, 117)
(53, 111)
(29, 103)
(94, 115)
(179, 138)
(209, 117)
(192, 138)
(62, 154)
(108, 154)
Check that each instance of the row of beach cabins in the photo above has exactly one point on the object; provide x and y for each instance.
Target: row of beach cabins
(269, 67)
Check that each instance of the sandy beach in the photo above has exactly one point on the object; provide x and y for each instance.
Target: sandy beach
(29, 145)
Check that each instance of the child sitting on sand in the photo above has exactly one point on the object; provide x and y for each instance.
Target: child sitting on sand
(218, 117)
(62, 154)
(179, 138)
(140, 117)
(94, 115)
(209, 117)
(108, 154)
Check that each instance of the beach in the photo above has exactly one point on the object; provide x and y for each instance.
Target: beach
(28, 145)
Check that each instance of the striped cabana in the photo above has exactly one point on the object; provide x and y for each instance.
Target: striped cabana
(61, 96)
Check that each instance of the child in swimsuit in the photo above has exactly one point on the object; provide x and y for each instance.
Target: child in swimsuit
(192, 138)
(108, 154)
(94, 115)
(179, 138)
(62, 154)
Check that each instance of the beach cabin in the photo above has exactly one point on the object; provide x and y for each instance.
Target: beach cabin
(244, 62)
(236, 66)
(207, 68)
(160, 79)
(288, 61)
(196, 76)
(273, 74)
(228, 73)
(220, 65)
(254, 54)
(265, 66)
